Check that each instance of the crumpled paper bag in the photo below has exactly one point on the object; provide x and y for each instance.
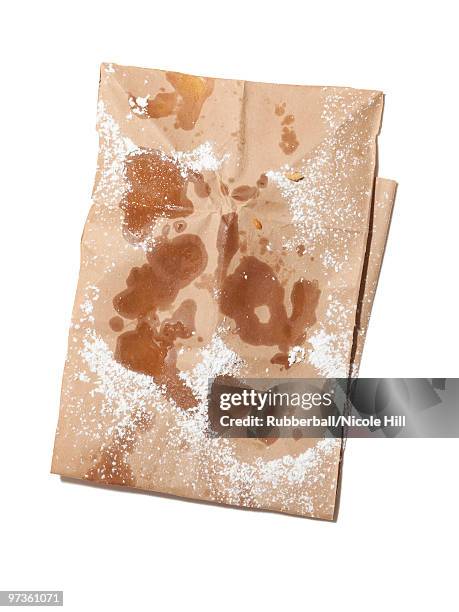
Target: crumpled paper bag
(236, 229)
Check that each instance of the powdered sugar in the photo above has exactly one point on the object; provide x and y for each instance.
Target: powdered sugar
(323, 208)
(330, 352)
(122, 390)
(296, 355)
(333, 183)
(199, 159)
(113, 149)
(331, 343)
(215, 359)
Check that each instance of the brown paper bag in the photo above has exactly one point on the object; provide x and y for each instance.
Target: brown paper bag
(237, 229)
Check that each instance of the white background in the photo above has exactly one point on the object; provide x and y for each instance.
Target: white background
(396, 540)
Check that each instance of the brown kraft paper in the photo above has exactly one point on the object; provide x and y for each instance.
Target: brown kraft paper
(236, 229)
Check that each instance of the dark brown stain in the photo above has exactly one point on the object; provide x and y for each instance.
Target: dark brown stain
(116, 324)
(300, 249)
(201, 187)
(156, 189)
(142, 350)
(289, 142)
(254, 284)
(179, 226)
(288, 120)
(262, 181)
(243, 193)
(227, 244)
(172, 265)
(281, 359)
(147, 351)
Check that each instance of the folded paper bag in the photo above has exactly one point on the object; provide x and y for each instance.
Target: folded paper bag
(237, 229)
